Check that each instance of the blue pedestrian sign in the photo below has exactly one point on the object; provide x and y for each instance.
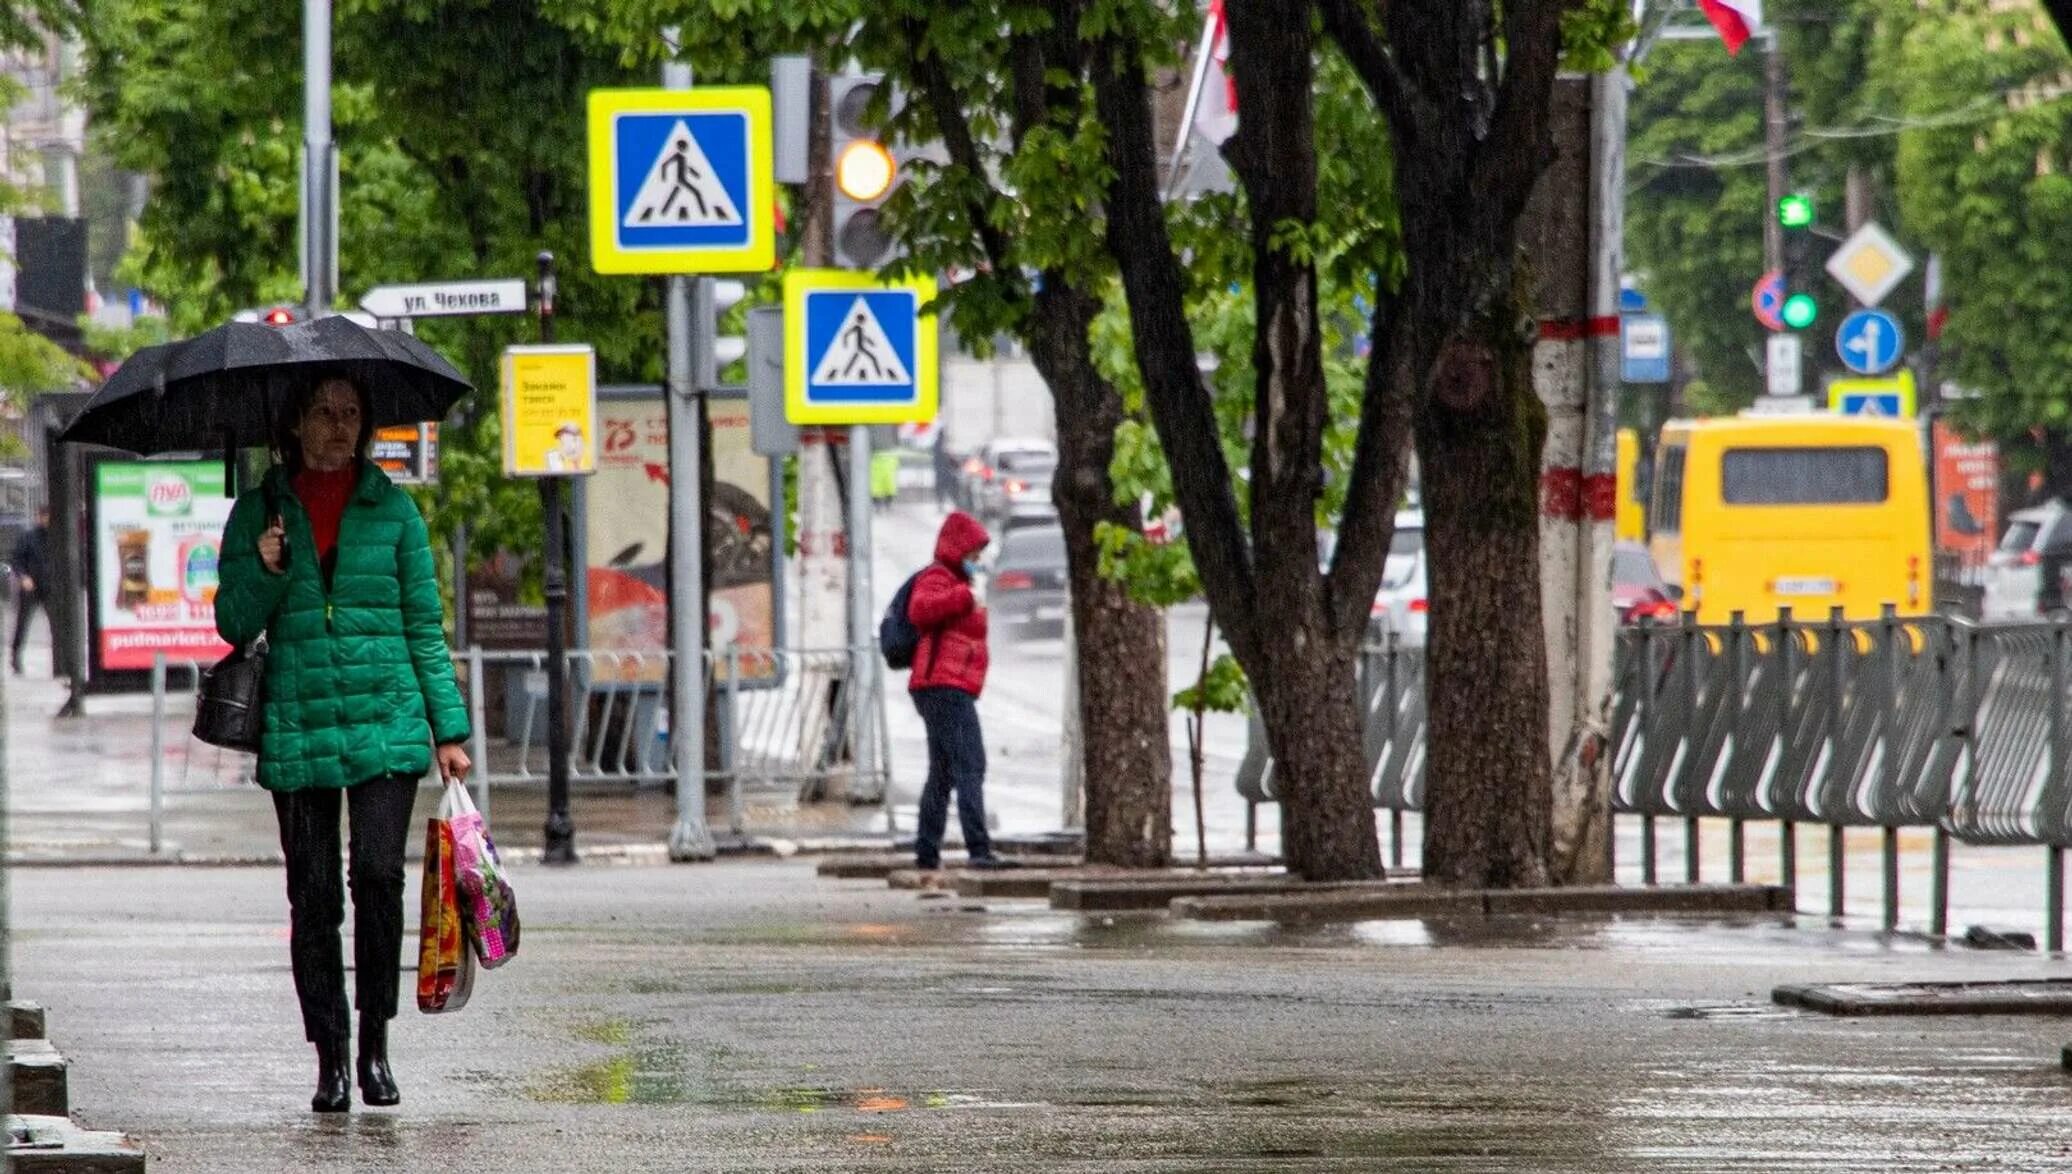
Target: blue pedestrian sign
(1643, 348)
(680, 181)
(1869, 342)
(858, 350)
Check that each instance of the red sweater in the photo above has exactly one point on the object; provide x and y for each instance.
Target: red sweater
(324, 495)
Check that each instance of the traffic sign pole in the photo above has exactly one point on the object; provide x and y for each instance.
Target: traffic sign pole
(688, 323)
(559, 844)
(862, 658)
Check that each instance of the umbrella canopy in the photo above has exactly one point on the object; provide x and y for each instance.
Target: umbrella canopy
(235, 380)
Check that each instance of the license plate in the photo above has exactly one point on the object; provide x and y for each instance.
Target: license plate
(1044, 615)
(1805, 586)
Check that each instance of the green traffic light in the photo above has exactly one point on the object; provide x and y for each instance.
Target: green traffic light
(1795, 211)
(1799, 311)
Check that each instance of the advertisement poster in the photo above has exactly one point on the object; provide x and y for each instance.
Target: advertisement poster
(627, 538)
(549, 411)
(157, 530)
(1967, 496)
(408, 454)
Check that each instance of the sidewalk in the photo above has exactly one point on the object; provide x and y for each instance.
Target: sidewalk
(748, 1016)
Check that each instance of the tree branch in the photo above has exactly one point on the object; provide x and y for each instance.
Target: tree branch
(1164, 342)
(1508, 161)
(953, 125)
(1353, 25)
(1380, 469)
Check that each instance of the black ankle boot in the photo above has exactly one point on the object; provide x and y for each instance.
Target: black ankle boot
(377, 1083)
(334, 1078)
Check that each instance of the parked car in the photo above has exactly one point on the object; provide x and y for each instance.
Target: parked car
(982, 468)
(1025, 580)
(2038, 540)
(1638, 590)
(1401, 607)
(1020, 487)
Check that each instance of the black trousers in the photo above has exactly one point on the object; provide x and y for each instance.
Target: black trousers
(956, 762)
(380, 810)
(26, 605)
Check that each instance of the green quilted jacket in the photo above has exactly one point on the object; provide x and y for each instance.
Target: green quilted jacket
(358, 682)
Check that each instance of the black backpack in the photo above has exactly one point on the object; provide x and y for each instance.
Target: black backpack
(898, 638)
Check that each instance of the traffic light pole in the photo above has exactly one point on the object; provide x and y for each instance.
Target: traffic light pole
(688, 323)
(319, 191)
(559, 844)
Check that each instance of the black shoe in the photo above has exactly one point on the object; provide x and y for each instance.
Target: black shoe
(334, 1079)
(377, 1083)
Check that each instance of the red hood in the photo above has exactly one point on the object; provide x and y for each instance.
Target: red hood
(960, 538)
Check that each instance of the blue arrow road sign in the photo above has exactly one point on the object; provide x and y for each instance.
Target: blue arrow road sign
(1869, 342)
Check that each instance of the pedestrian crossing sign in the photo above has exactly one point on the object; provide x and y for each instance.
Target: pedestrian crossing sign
(680, 181)
(858, 350)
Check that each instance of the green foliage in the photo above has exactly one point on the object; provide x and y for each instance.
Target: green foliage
(116, 343)
(1221, 690)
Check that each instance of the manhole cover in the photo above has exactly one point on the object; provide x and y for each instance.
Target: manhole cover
(2044, 996)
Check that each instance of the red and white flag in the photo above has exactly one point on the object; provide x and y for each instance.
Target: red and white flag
(1736, 20)
(1215, 111)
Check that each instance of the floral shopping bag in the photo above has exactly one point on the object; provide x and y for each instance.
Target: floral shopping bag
(489, 909)
(445, 967)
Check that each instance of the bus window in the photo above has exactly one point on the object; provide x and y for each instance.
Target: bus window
(1804, 476)
(1667, 516)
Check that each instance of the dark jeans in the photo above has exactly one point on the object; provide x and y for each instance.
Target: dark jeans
(380, 811)
(956, 760)
(26, 605)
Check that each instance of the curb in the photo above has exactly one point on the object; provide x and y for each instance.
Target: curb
(1338, 903)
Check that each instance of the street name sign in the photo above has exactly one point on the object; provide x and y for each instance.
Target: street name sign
(438, 299)
(1869, 342)
(680, 181)
(1869, 264)
(858, 350)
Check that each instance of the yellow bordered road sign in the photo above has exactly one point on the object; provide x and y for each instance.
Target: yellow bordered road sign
(858, 350)
(680, 181)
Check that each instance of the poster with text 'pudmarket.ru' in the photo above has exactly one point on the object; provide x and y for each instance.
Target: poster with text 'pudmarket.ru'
(158, 530)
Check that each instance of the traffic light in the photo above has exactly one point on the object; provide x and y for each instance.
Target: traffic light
(1795, 218)
(281, 315)
(865, 169)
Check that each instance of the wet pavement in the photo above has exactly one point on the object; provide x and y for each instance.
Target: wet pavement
(750, 1016)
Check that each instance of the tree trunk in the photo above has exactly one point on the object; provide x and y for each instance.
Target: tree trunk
(1487, 776)
(1308, 701)
(1124, 739)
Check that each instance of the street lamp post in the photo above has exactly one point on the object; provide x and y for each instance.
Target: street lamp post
(560, 835)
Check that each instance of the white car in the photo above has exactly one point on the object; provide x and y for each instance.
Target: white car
(2036, 538)
(1401, 606)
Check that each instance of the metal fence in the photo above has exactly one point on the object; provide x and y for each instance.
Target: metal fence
(783, 722)
(1933, 722)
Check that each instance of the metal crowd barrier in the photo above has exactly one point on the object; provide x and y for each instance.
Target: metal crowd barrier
(784, 720)
(1932, 722)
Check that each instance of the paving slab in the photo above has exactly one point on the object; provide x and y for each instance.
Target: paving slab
(25, 1020)
(44, 1144)
(2049, 996)
(1040, 883)
(36, 1078)
(1385, 901)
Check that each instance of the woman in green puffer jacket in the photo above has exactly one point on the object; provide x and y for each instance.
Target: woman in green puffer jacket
(331, 562)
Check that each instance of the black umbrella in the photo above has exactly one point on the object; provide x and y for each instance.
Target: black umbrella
(232, 383)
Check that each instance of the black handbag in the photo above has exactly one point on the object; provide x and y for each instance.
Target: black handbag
(230, 707)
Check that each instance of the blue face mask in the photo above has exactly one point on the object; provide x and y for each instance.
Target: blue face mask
(971, 568)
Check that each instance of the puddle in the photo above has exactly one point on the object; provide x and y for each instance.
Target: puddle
(1733, 1012)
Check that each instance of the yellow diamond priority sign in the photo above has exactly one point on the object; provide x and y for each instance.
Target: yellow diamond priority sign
(1869, 264)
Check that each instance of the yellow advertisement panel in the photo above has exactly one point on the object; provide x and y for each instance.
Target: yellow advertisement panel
(550, 411)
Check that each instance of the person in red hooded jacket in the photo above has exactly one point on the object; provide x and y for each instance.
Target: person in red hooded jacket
(949, 673)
